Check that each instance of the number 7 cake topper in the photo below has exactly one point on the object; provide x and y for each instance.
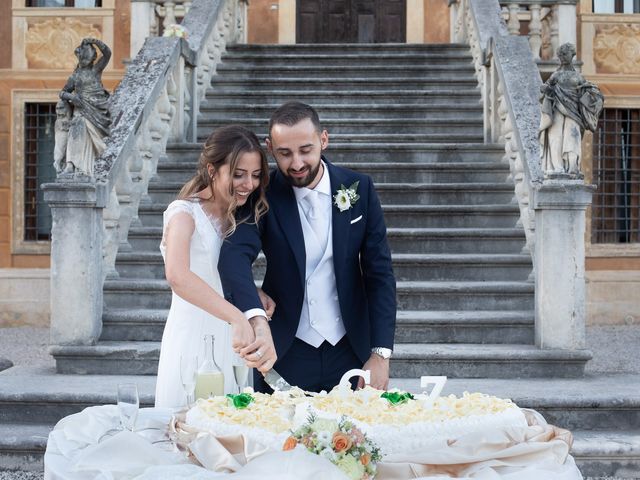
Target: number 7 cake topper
(438, 385)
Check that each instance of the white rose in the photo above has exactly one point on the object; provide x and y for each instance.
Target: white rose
(343, 202)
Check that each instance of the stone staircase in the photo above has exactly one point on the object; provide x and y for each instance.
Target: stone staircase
(410, 116)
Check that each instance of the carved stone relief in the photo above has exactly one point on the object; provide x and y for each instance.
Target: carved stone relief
(616, 49)
(50, 44)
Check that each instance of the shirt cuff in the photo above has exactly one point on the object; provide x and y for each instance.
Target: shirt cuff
(256, 312)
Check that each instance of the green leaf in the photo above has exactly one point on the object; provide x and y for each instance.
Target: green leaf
(354, 186)
(241, 400)
(397, 398)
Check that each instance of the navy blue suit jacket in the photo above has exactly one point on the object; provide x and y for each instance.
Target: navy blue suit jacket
(362, 260)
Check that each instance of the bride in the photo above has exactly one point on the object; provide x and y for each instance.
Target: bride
(232, 171)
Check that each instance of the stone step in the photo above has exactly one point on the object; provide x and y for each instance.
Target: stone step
(478, 327)
(356, 111)
(411, 326)
(396, 193)
(42, 397)
(406, 266)
(456, 240)
(180, 171)
(406, 216)
(352, 127)
(403, 153)
(22, 447)
(224, 83)
(432, 96)
(464, 295)
(354, 48)
(107, 358)
(139, 325)
(465, 127)
(415, 295)
(597, 403)
(611, 454)
(410, 360)
(471, 137)
(424, 72)
(380, 59)
(402, 240)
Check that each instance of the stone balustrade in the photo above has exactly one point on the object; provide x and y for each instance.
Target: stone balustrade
(552, 212)
(152, 17)
(156, 102)
(540, 20)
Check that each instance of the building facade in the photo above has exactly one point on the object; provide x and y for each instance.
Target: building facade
(42, 34)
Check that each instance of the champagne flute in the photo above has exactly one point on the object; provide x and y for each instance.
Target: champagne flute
(128, 405)
(240, 372)
(188, 374)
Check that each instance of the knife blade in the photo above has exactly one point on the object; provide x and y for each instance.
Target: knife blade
(276, 382)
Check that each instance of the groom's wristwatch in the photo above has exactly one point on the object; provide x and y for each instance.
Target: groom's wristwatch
(383, 352)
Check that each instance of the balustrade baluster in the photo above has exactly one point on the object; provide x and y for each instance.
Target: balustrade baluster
(535, 30)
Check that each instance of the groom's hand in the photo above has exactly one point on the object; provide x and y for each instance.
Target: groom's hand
(379, 368)
(261, 354)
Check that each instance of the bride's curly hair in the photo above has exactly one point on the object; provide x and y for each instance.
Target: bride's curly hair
(225, 146)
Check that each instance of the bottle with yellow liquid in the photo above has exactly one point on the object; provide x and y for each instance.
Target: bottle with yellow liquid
(210, 379)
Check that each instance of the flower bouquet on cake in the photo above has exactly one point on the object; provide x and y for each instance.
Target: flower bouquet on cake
(340, 442)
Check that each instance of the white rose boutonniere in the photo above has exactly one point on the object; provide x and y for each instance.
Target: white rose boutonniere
(345, 197)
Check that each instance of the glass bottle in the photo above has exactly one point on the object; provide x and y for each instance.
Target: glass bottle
(210, 380)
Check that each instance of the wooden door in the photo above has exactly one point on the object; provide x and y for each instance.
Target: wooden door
(351, 21)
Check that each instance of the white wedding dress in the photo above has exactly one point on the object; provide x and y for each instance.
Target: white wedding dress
(187, 324)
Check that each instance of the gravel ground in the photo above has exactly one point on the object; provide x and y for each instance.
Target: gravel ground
(616, 349)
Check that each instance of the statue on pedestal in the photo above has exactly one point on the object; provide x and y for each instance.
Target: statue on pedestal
(570, 104)
(83, 118)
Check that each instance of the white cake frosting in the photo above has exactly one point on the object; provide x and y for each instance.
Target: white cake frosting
(394, 428)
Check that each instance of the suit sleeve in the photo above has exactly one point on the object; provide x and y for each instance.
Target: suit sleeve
(377, 271)
(237, 255)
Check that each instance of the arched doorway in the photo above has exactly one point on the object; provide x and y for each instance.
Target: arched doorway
(351, 21)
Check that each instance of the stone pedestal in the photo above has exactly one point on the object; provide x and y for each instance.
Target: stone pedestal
(559, 263)
(76, 260)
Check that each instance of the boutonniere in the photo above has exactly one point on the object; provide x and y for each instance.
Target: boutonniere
(345, 197)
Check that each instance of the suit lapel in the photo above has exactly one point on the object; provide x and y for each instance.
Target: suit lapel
(284, 205)
(340, 222)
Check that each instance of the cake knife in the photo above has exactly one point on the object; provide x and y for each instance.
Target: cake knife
(275, 381)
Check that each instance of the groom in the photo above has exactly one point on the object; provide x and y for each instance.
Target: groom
(328, 262)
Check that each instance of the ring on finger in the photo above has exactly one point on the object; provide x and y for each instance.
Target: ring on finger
(259, 353)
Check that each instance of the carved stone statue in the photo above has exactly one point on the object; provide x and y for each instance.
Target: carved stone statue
(83, 118)
(570, 104)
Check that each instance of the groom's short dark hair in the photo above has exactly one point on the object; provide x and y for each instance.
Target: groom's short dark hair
(291, 113)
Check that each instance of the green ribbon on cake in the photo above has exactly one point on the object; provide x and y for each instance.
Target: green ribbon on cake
(241, 400)
(397, 398)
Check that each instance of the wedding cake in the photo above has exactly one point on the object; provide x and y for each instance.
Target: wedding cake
(397, 422)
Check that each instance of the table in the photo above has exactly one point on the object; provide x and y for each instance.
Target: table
(87, 445)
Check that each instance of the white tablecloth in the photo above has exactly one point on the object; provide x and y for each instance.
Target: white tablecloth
(85, 446)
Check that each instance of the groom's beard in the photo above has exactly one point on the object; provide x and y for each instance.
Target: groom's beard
(304, 181)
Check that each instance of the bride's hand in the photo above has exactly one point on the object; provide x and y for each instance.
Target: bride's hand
(242, 334)
(267, 303)
(261, 354)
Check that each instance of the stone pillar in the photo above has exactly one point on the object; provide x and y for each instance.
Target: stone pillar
(567, 21)
(142, 14)
(76, 260)
(560, 207)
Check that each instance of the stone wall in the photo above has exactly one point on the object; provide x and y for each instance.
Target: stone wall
(24, 297)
